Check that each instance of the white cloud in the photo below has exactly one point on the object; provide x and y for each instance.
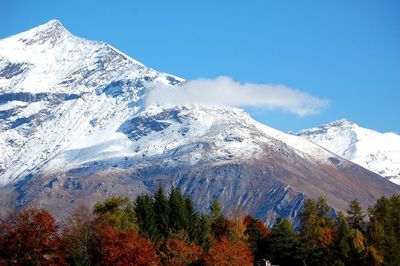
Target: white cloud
(225, 91)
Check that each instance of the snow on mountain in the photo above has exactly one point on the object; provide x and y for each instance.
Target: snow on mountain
(59, 92)
(378, 152)
(74, 126)
(90, 90)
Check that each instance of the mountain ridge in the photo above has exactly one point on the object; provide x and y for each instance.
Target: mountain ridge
(74, 128)
(378, 152)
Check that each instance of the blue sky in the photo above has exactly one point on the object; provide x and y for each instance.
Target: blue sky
(346, 52)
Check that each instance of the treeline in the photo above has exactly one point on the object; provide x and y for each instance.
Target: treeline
(166, 229)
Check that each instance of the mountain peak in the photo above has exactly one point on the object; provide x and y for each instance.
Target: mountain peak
(377, 152)
(341, 122)
(53, 24)
(50, 32)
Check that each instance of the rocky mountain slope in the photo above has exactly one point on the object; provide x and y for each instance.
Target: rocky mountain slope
(75, 128)
(378, 152)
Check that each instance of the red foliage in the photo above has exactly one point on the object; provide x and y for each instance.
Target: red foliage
(250, 221)
(126, 248)
(176, 252)
(29, 237)
(224, 252)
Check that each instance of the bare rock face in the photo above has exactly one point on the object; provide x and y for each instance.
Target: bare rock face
(75, 129)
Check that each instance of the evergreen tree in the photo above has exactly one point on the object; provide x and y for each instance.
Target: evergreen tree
(178, 216)
(283, 243)
(161, 212)
(192, 219)
(144, 209)
(324, 218)
(201, 231)
(215, 211)
(355, 215)
(343, 240)
(384, 228)
(217, 220)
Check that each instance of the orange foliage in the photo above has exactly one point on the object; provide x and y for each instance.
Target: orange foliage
(326, 236)
(176, 252)
(358, 240)
(126, 248)
(224, 253)
(29, 237)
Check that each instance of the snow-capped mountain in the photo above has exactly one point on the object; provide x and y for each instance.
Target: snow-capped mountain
(378, 152)
(62, 92)
(75, 127)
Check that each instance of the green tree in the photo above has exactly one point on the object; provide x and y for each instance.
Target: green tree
(161, 212)
(217, 221)
(283, 244)
(384, 228)
(202, 230)
(192, 219)
(342, 240)
(216, 211)
(355, 215)
(178, 216)
(117, 211)
(146, 216)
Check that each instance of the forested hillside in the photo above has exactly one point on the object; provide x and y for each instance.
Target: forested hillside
(166, 229)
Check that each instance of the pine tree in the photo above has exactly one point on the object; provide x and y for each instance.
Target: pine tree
(324, 219)
(178, 216)
(355, 215)
(283, 243)
(343, 240)
(144, 209)
(192, 218)
(217, 220)
(384, 228)
(202, 229)
(161, 212)
(215, 211)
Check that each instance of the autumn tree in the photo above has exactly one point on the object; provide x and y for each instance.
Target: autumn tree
(177, 252)
(227, 253)
(29, 238)
(125, 248)
(316, 232)
(257, 235)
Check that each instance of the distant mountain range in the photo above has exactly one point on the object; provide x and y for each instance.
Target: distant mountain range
(74, 128)
(378, 152)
